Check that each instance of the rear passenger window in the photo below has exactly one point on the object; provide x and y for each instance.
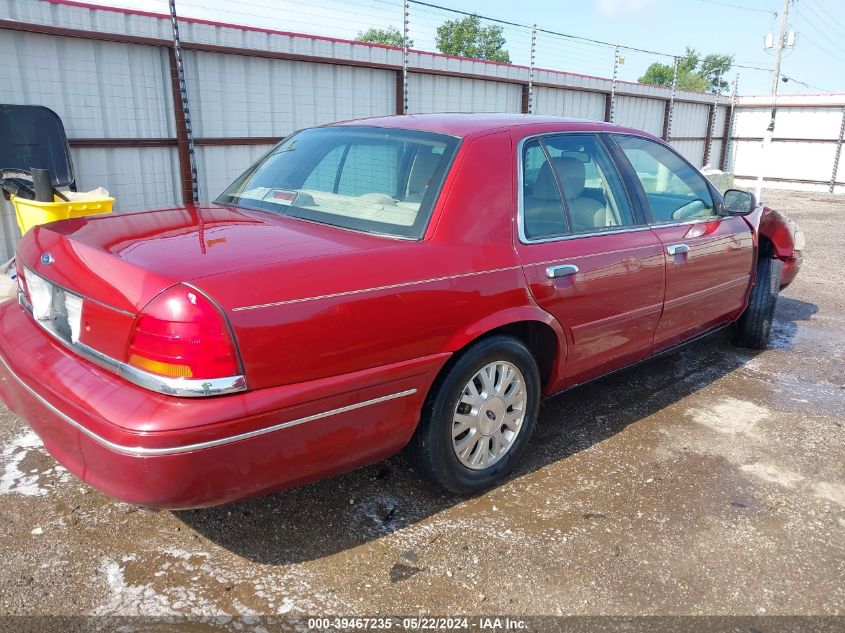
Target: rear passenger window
(542, 206)
(578, 167)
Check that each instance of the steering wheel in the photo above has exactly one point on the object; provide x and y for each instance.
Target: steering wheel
(691, 209)
(12, 182)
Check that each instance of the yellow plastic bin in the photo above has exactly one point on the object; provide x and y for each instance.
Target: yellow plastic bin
(31, 213)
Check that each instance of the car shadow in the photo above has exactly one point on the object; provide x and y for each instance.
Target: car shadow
(333, 515)
(789, 312)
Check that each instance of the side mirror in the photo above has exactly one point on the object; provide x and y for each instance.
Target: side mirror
(739, 202)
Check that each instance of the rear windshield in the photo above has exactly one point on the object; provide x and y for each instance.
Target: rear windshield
(377, 180)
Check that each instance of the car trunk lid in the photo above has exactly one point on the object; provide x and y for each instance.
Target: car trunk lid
(125, 260)
(118, 264)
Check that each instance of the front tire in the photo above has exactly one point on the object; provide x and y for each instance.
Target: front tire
(754, 327)
(478, 418)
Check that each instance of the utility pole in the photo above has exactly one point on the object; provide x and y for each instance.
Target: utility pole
(779, 44)
(770, 131)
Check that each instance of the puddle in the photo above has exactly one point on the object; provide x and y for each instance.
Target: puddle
(27, 469)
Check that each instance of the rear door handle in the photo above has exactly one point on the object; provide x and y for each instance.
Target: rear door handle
(677, 249)
(562, 270)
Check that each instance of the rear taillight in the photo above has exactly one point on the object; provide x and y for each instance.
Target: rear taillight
(182, 334)
(40, 295)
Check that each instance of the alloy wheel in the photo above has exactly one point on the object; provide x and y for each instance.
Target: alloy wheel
(489, 415)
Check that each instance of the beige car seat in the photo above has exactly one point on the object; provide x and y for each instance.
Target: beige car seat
(586, 213)
(543, 209)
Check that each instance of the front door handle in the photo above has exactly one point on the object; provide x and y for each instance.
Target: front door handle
(562, 270)
(677, 249)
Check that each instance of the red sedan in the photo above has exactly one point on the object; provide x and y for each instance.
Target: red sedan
(412, 282)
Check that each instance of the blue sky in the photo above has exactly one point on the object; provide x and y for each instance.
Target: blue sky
(817, 59)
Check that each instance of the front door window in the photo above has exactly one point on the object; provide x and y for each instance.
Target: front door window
(675, 190)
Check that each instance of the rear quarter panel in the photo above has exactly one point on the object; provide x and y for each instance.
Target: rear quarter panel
(310, 319)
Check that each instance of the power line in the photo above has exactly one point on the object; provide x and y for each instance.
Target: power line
(585, 54)
(588, 40)
(823, 21)
(737, 6)
(450, 10)
(547, 31)
(818, 30)
(321, 17)
(805, 84)
(830, 17)
(768, 70)
(810, 41)
(357, 23)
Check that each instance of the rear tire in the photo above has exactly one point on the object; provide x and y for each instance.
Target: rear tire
(478, 417)
(754, 327)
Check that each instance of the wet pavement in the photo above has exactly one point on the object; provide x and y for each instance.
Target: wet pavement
(710, 481)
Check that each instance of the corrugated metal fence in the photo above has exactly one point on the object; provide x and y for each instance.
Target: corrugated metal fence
(806, 146)
(110, 75)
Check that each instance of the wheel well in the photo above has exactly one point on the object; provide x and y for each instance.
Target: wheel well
(539, 338)
(766, 250)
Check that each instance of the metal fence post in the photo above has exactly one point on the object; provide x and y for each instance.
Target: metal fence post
(838, 154)
(183, 94)
(727, 144)
(713, 113)
(612, 117)
(671, 109)
(405, 17)
(531, 69)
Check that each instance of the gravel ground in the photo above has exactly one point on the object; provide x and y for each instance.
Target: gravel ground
(710, 481)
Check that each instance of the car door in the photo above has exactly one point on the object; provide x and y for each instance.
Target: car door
(588, 255)
(709, 257)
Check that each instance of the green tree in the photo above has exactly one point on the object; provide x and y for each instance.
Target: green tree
(661, 75)
(389, 36)
(466, 37)
(657, 74)
(715, 69)
(694, 73)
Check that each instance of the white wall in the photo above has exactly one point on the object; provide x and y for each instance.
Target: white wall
(640, 113)
(99, 89)
(804, 142)
(220, 165)
(571, 103)
(438, 93)
(236, 95)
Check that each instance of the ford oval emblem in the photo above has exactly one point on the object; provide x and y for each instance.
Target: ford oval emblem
(46, 259)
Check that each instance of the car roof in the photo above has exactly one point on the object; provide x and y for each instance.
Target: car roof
(465, 124)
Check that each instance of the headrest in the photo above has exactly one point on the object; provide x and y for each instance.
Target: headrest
(545, 188)
(572, 174)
